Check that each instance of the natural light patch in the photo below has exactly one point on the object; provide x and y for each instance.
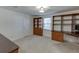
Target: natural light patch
(47, 23)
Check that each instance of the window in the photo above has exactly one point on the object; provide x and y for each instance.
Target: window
(47, 23)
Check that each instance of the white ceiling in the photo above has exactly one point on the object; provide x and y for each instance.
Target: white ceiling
(32, 10)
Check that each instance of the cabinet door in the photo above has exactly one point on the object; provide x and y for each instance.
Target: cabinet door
(40, 23)
(67, 23)
(35, 23)
(58, 36)
(67, 28)
(57, 27)
(57, 23)
(76, 19)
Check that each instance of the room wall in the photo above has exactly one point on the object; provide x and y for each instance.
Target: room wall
(15, 25)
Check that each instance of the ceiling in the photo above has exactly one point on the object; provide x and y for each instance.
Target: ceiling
(32, 10)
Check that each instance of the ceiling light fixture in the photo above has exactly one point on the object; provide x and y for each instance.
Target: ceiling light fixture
(41, 8)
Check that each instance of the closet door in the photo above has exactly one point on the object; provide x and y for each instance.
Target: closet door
(38, 26)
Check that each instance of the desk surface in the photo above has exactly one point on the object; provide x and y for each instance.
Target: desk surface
(6, 45)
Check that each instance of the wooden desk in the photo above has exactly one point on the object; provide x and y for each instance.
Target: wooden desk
(7, 46)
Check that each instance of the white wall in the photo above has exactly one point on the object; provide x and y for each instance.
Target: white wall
(15, 25)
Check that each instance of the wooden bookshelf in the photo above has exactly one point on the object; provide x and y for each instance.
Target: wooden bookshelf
(66, 25)
(38, 26)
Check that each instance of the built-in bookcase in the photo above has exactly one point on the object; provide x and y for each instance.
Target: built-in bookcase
(38, 26)
(64, 24)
